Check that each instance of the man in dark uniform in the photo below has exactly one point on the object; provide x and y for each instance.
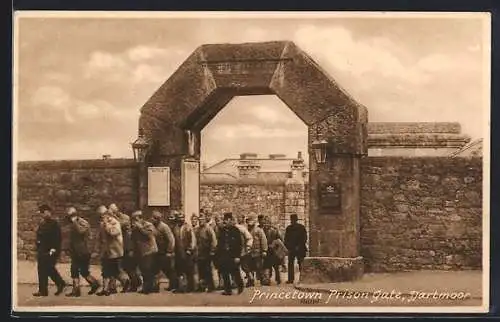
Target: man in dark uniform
(229, 248)
(80, 253)
(48, 246)
(295, 242)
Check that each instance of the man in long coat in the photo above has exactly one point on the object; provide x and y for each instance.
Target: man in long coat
(258, 251)
(145, 249)
(295, 242)
(80, 253)
(110, 243)
(165, 259)
(229, 247)
(247, 241)
(48, 247)
(129, 262)
(217, 225)
(185, 246)
(272, 260)
(207, 245)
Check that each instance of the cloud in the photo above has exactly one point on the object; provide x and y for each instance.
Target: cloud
(336, 48)
(136, 65)
(272, 114)
(141, 53)
(51, 104)
(147, 73)
(57, 77)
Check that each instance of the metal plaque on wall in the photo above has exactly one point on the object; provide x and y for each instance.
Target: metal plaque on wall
(329, 198)
(159, 186)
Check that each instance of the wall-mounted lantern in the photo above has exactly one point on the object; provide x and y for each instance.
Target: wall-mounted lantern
(140, 147)
(320, 150)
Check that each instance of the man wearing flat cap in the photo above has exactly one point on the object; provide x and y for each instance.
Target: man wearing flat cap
(185, 246)
(48, 246)
(274, 253)
(229, 248)
(258, 251)
(217, 226)
(145, 249)
(295, 242)
(79, 253)
(206, 245)
(165, 241)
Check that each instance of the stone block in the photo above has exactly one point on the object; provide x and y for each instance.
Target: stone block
(331, 269)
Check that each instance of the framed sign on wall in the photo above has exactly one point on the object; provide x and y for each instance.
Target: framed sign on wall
(158, 186)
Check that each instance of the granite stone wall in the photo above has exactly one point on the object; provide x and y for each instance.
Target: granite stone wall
(416, 213)
(421, 213)
(265, 199)
(85, 184)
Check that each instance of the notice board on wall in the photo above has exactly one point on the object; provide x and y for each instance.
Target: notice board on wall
(158, 186)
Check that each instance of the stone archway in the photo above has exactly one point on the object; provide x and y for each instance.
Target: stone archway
(177, 112)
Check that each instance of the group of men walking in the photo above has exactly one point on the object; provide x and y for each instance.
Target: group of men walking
(135, 252)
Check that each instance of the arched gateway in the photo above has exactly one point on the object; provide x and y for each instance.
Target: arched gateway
(172, 120)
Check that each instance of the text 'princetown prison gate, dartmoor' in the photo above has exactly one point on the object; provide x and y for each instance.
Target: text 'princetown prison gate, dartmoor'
(410, 194)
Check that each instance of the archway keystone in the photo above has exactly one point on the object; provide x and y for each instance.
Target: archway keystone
(211, 76)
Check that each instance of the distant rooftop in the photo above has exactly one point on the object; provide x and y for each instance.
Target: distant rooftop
(272, 163)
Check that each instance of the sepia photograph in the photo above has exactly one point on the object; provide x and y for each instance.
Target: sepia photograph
(263, 162)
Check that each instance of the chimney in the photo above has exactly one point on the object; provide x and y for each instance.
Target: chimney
(248, 169)
(248, 155)
(277, 156)
(297, 167)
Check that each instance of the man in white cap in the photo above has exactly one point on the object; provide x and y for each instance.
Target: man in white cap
(79, 253)
(110, 244)
(145, 249)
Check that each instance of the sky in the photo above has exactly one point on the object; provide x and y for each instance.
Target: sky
(82, 81)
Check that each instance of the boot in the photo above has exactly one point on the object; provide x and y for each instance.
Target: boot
(250, 282)
(60, 288)
(105, 288)
(94, 284)
(112, 286)
(75, 291)
(125, 285)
